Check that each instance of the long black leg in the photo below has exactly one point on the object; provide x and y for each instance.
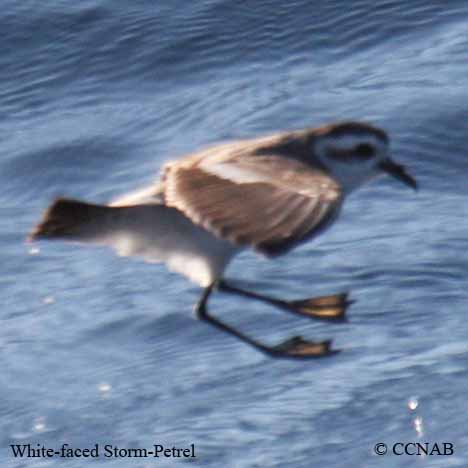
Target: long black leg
(330, 308)
(295, 347)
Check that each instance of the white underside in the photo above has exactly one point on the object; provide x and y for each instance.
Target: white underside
(157, 233)
(160, 234)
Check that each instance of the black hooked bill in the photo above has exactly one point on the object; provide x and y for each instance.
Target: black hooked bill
(398, 172)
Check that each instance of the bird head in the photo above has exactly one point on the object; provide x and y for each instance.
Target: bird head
(355, 153)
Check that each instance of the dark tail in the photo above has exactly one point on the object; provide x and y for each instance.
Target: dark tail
(70, 219)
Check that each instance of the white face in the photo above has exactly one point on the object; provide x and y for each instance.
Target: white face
(352, 158)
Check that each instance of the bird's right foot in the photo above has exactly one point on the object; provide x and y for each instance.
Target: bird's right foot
(331, 308)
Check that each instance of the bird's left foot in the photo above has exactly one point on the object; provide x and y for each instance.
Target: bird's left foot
(297, 347)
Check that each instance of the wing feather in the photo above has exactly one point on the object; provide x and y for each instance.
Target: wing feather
(269, 202)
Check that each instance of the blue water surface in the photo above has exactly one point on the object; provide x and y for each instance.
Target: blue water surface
(96, 95)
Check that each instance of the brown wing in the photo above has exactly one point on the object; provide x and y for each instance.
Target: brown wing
(268, 202)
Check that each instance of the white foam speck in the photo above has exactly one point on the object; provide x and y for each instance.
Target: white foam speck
(413, 403)
(48, 300)
(39, 425)
(104, 388)
(418, 425)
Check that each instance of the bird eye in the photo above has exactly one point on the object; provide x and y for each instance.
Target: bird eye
(364, 151)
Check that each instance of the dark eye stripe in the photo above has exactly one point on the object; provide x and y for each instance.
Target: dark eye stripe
(339, 154)
(364, 151)
(361, 152)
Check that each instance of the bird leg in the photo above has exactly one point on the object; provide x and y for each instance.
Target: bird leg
(295, 347)
(330, 308)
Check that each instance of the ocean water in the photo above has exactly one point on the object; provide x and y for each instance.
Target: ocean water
(95, 96)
